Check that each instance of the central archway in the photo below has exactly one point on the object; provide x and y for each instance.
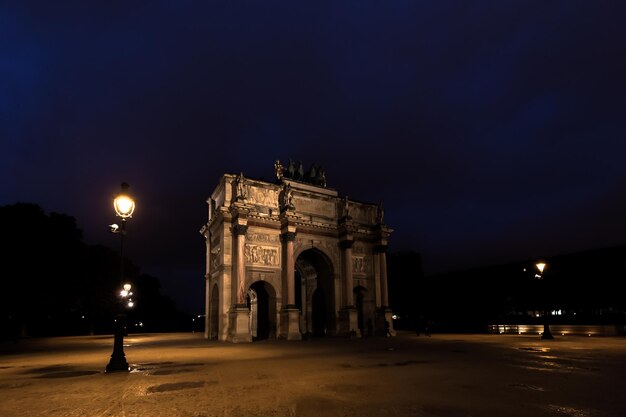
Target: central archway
(315, 281)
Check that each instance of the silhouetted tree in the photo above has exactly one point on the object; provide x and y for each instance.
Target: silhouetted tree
(40, 268)
(157, 312)
(54, 284)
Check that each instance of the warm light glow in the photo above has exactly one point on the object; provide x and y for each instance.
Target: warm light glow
(124, 293)
(540, 266)
(127, 287)
(124, 206)
(130, 303)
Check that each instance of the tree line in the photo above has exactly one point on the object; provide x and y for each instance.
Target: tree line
(53, 283)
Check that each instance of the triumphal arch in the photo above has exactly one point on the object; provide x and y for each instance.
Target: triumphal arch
(292, 259)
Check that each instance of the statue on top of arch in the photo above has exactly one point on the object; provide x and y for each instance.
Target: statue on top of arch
(315, 175)
(239, 183)
(286, 199)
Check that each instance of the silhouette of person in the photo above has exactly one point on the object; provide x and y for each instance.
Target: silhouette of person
(387, 332)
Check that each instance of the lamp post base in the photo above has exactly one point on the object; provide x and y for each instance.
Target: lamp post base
(118, 357)
(547, 334)
(117, 364)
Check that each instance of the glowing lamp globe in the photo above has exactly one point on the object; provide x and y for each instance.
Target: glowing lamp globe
(540, 266)
(124, 205)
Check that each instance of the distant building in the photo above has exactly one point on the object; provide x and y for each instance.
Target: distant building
(292, 259)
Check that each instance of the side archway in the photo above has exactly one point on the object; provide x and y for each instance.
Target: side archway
(261, 299)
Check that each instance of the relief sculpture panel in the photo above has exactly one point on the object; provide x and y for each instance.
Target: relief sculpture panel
(262, 255)
(262, 196)
(253, 236)
(215, 258)
(360, 264)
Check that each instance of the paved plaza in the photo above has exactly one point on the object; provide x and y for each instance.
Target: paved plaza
(443, 375)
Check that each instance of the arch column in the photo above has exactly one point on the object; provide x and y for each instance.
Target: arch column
(289, 313)
(204, 231)
(384, 295)
(239, 315)
(348, 315)
(207, 306)
(384, 312)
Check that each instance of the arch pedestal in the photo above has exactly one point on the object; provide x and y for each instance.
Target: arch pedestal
(290, 324)
(239, 325)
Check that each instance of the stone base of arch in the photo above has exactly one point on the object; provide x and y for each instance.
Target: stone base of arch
(290, 324)
(239, 325)
(349, 322)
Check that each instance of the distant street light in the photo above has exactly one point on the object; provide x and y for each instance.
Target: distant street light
(546, 327)
(124, 207)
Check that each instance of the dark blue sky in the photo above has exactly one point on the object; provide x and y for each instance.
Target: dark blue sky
(492, 131)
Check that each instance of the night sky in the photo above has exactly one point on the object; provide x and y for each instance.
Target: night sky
(492, 131)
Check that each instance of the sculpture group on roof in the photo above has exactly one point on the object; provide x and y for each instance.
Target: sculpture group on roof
(315, 175)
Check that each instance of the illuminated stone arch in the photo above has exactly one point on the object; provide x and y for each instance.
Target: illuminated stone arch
(259, 231)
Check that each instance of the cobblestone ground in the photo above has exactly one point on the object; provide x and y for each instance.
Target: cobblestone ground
(443, 375)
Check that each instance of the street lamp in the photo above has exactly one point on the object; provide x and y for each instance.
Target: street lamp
(546, 327)
(124, 207)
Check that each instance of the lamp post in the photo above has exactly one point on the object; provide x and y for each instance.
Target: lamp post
(124, 207)
(546, 327)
